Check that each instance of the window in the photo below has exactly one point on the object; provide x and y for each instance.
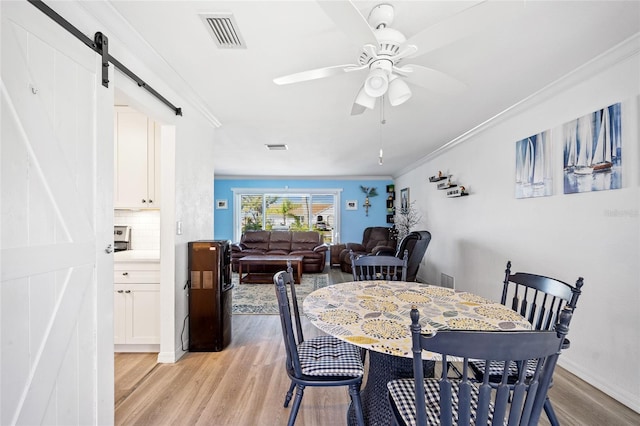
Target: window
(302, 210)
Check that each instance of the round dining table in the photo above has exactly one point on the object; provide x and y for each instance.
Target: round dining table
(375, 315)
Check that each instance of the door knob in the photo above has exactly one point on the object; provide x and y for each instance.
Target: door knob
(109, 249)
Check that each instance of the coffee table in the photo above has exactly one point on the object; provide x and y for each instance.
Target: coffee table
(245, 263)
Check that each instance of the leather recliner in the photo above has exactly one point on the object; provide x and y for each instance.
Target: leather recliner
(416, 244)
(374, 239)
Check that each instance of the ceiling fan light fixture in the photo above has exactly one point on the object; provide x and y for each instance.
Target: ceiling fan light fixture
(364, 99)
(377, 83)
(399, 91)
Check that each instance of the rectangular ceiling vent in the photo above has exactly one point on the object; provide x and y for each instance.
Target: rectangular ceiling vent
(224, 30)
(276, 147)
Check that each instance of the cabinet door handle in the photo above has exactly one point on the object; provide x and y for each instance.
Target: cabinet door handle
(120, 291)
(144, 201)
(127, 291)
(125, 273)
(150, 201)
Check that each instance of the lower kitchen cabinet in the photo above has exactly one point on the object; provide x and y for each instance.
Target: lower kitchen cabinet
(136, 314)
(136, 306)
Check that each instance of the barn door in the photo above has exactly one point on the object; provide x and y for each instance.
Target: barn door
(56, 159)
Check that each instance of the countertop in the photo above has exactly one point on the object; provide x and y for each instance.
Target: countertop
(137, 256)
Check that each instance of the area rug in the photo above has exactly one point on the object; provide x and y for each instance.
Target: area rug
(261, 299)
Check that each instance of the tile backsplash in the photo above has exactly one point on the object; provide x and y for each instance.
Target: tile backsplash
(145, 227)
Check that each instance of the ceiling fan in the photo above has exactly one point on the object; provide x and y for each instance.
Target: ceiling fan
(384, 49)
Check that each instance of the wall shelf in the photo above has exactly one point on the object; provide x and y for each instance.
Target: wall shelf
(453, 190)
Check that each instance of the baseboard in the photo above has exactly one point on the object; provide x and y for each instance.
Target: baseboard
(170, 357)
(137, 348)
(622, 397)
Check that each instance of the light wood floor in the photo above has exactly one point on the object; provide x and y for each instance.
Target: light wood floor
(245, 385)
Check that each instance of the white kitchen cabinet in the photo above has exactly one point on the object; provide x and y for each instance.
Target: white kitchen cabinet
(136, 308)
(137, 171)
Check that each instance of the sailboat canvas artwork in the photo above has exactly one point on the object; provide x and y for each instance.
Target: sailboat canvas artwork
(534, 176)
(593, 151)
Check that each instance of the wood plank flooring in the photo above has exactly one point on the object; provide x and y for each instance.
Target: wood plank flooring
(245, 384)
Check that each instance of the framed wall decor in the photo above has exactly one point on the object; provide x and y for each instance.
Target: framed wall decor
(592, 151)
(404, 198)
(221, 204)
(534, 175)
(352, 205)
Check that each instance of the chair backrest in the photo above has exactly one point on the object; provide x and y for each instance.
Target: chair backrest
(281, 280)
(294, 304)
(539, 299)
(388, 268)
(416, 242)
(521, 404)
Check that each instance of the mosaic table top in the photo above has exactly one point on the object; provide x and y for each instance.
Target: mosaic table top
(375, 314)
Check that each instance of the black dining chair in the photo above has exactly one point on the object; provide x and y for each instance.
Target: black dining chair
(463, 401)
(389, 268)
(540, 300)
(320, 361)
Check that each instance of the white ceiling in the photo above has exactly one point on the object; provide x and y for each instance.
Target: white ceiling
(526, 46)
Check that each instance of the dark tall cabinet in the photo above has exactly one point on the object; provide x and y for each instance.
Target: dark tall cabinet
(210, 291)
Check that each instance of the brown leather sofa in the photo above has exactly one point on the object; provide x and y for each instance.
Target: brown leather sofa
(308, 244)
(374, 239)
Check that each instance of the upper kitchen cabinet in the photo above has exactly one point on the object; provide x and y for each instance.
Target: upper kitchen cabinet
(137, 165)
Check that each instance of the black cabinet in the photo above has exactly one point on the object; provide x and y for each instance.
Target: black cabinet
(210, 295)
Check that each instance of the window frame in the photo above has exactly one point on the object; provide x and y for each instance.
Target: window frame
(284, 192)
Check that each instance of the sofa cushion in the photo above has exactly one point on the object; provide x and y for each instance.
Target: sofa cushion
(280, 240)
(305, 240)
(277, 253)
(256, 240)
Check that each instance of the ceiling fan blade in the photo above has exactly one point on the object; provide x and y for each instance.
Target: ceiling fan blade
(430, 79)
(486, 14)
(357, 109)
(314, 74)
(350, 21)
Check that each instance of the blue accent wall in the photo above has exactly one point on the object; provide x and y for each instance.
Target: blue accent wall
(353, 222)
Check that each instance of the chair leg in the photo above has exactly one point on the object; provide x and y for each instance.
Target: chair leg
(363, 355)
(354, 391)
(551, 415)
(287, 398)
(296, 405)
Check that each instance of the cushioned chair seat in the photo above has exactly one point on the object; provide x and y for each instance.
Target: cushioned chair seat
(496, 369)
(402, 394)
(328, 356)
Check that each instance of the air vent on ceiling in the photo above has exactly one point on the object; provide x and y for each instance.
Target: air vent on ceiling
(224, 30)
(276, 147)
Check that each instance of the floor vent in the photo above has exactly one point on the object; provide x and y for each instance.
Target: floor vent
(277, 147)
(446, 281)
(224, 30)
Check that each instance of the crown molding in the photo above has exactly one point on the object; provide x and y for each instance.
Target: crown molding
(625, 50)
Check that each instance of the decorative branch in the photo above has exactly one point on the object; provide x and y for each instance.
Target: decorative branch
(369, 191)
(406, 219)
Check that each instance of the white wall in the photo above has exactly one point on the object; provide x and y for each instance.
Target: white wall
(595, 235)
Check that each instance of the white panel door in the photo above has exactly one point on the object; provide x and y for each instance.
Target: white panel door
(56, 183)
